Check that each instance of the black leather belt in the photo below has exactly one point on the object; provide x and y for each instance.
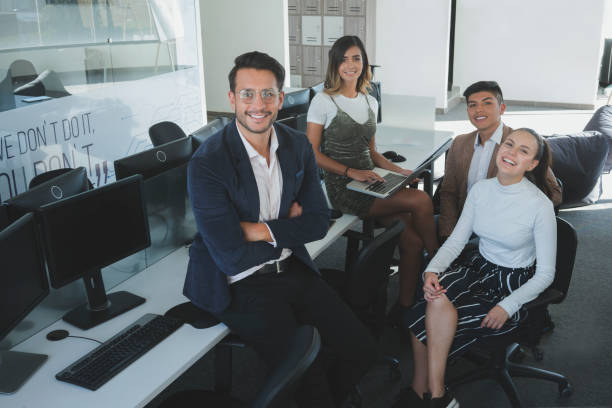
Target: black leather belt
(276, 267)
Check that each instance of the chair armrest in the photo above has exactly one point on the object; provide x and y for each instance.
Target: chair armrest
(359, 236)
(544, 299)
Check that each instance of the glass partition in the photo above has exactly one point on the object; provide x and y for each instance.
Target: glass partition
(81, 82)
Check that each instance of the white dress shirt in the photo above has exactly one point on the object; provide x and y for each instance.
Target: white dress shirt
(269, 185)
(482, 156)
(516, 225)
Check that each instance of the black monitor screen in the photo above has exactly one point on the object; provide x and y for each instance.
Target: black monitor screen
(152, 162)
(94, 229)
(23, 281)
(65, 185)
(4, 216)
(206, 131)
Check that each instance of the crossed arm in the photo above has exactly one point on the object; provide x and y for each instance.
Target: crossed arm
(237, 244)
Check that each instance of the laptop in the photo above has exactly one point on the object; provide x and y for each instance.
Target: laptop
(394, 181)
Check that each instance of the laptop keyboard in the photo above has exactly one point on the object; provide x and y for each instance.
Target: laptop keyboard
(392, 182)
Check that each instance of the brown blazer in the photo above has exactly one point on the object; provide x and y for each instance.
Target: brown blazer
(453, 190)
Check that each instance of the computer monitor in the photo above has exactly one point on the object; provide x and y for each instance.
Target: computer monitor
(89, 231)
(156, 160)
(290, 121)
(68, 184)
(296, 101)
(4, 216)
(315, 89)
(199, 136)
(23, 285)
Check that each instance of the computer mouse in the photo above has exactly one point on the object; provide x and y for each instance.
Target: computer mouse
(390, 154)
(334, 214)
(56, 335)
(398, 158)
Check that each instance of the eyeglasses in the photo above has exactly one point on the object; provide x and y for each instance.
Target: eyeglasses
(249, 95)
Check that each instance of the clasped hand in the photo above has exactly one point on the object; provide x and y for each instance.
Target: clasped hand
(432, 288)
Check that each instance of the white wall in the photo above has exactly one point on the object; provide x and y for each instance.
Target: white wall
(233, 27)
(412, 41)
(543, 51)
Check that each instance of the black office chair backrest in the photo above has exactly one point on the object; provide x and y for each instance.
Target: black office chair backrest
(22, 71)
(164, 132)
(371, 267)
(567, 243)
(283, 381)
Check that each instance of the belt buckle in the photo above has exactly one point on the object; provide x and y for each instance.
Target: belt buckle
(278, 266)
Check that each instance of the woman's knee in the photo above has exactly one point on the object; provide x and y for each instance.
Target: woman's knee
(438, 304)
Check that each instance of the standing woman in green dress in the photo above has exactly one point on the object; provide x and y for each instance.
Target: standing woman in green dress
(342, 129)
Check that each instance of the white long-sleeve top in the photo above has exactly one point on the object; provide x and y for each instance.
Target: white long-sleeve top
(516, 225)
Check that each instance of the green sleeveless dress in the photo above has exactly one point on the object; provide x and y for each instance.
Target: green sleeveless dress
(348, 142)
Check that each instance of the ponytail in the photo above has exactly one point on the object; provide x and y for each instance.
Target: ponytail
(539, 174)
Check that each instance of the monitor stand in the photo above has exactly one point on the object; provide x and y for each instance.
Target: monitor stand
(100, 307)
(16, 367)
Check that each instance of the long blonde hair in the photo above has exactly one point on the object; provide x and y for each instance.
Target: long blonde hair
(333, 82)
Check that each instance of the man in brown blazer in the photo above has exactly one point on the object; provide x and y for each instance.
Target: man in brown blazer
(472, 155)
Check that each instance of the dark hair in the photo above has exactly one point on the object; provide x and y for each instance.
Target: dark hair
(257, 60)
(488, 86)
(333, 82)
(538, 175)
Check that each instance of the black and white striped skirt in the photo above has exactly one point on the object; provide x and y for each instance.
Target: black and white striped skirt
(474, 285)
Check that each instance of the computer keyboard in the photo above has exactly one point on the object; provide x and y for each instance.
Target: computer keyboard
(392, 182)
(104, 362)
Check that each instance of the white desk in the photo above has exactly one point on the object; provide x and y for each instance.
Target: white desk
(162, 286)
(414, 144)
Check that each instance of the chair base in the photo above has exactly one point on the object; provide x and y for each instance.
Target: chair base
(501, 369)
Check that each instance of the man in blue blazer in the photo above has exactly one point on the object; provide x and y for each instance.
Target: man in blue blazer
(257, 199)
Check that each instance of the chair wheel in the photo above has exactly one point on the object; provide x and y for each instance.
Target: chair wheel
(566, 389)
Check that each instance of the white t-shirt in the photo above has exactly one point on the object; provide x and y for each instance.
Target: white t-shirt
(322, 109)
(516, 225)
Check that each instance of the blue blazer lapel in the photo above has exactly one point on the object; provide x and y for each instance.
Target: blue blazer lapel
(242, 164)
(288, 169)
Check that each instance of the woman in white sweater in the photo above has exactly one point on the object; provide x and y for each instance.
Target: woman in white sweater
(482, 296)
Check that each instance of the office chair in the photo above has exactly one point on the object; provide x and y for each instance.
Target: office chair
(278, 388)
(501, 351)
(22, 72)
(363, 284)
(164, 132)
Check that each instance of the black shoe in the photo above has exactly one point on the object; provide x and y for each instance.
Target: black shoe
(445, 401)
(409, 398)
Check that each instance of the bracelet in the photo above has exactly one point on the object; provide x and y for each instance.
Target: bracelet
(346, 171)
